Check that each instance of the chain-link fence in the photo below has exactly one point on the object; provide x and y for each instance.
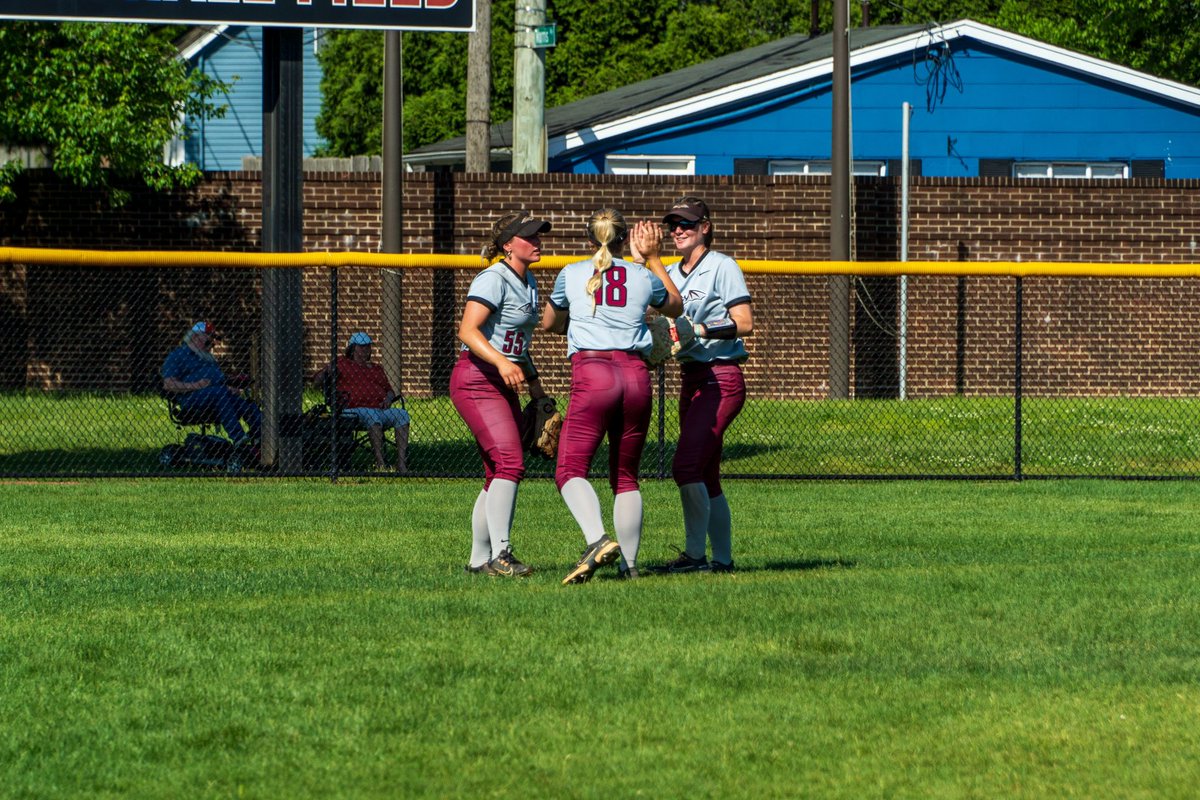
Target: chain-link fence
(930, 375)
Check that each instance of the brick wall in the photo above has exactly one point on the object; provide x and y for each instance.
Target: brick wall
(1130, 336)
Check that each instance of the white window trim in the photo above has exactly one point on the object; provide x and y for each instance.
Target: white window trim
(1046, 169)
(630, 164)
(867, 167)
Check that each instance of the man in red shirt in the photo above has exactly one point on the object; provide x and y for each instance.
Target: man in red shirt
(365, 393)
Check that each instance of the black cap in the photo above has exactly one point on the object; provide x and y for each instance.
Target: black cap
(524, 227)
(693, 211)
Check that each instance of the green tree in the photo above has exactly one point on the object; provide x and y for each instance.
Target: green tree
(435, 80)
(100, 101)
(1161, 37)
(602, 46)
(351, 116)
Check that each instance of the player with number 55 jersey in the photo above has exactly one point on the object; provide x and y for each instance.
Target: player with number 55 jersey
(492, 369)
(600, 304)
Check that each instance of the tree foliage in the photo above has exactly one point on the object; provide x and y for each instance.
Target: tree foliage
(605, 45)
(1154, 36)
(434, 77)
(351, 116)
(1160, 37)
(100, 101)
(600, 46)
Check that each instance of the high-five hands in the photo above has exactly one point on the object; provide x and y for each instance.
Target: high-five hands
(645, 241)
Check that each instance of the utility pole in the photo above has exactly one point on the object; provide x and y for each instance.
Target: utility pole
(839, 191)
(479, 90)
(529, 90)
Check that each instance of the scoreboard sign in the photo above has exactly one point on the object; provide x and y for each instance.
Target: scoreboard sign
(436, 15)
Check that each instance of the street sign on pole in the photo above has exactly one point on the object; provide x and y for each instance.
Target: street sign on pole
(545, 36)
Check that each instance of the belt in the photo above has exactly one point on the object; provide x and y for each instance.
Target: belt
(697, 366)
(610, 355)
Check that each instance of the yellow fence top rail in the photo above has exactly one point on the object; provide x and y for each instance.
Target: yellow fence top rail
(207, 258)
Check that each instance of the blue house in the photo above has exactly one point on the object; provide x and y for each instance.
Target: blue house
(233, 53)
(984, 102)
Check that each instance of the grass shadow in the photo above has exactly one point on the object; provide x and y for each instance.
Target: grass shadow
(657, 570)
(803, 565)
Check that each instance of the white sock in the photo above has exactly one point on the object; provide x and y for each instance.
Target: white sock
(584, 505)
(481, 540)
(720, 529)
(627, 521)
(695, 518)
(501, 502)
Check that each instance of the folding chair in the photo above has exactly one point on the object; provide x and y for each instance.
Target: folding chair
(198, 449)
(360, 433)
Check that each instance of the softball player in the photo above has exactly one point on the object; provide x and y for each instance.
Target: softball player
(716, 305)
(493, 367)
(604, 300)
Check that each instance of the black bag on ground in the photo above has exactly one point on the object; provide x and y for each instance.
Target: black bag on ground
(316, 440)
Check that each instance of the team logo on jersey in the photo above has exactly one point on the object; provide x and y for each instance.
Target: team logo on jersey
(526, 309)
(692, 295)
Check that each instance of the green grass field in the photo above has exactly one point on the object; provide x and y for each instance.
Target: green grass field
(81, 434)
(296, 639)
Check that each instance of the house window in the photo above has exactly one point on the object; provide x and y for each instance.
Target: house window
(1100, 170)
(649, 165)
(786, 166)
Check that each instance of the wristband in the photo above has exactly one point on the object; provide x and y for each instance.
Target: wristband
(720, 329)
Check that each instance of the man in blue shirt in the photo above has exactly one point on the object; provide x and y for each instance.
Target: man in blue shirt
(191, 372)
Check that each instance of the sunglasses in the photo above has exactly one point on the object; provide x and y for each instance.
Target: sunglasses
(682, 224)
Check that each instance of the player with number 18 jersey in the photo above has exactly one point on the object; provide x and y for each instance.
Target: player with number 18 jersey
(612, 318)
(601, 306)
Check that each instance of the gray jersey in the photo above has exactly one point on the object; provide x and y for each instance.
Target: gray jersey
(619, 322)
(714, 286)
(514, 306)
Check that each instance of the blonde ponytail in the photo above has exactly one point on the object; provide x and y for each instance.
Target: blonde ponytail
(608, 230)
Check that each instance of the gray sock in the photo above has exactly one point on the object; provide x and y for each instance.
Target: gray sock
(481, 541)
(720, 529)
(584, 505)
(695, 518)
(627, 520)
(501, 501)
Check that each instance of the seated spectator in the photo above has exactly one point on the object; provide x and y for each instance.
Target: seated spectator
(366, 394)
(191, 372)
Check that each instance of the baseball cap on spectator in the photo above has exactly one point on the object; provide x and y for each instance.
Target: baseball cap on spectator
(691, 211)
(206, 328)
(360, 338)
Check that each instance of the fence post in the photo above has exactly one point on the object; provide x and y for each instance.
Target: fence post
(1017, 388)
(335, 441)
(662, 421)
